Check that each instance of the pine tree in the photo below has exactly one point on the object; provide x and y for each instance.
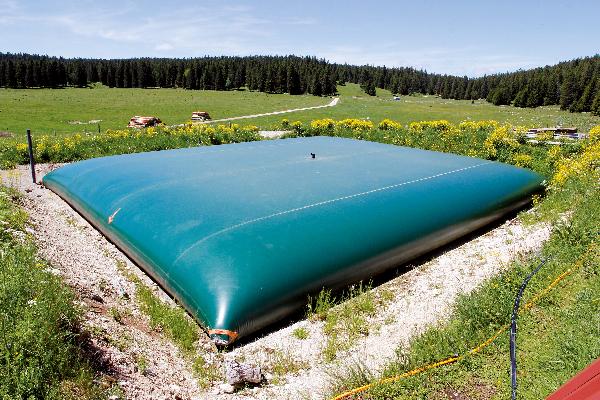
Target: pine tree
(20, 74)
(521, 98)
(293, 80)
(500, 95)
(585, 101)
(28, 80)
(219, 83)
(568, 91)
(595, 108)
(11, 76)
(315, 86)
(366, 82)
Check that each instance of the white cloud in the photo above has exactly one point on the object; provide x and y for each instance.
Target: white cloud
(457, 61)
(9, 9)
(198, 30)
(164, 47)
(195, 30)
(301, 21)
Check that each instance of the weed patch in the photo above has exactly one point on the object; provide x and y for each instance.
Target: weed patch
(346, 317)
(174, 324)
(281, 364)
(41, 343)
(301, 333)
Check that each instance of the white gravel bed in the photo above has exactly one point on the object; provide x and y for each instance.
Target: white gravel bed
(88, 263)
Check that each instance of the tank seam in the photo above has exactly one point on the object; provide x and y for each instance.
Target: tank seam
(321, 203)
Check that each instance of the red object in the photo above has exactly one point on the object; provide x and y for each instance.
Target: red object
(583, 386)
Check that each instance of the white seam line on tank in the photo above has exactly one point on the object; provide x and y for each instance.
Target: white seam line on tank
(321, 203)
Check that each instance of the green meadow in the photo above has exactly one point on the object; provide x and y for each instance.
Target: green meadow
(355, 104)
(65, 111)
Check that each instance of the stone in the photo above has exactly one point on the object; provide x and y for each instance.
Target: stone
(238, 374)
(226, 388)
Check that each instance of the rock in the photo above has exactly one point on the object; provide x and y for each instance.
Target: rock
(97, 298)
(226, 388)
(238, 374)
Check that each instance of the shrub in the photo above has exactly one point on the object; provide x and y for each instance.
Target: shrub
(594, 133)
(502, 140)
(388, 124)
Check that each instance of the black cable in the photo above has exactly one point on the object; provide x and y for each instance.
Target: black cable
(513, 329)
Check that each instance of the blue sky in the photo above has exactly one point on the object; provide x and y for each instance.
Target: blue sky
(455, 37)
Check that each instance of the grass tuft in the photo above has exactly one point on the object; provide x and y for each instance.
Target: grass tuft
(300, 333)
(281, 363)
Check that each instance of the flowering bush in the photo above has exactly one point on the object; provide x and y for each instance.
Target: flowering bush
(355, 124)
(78, 147)
(439, 126)
(522, 160)
(578, 164)
(594, 134)
(501, 138)
(388, 124)
(544, 136)
(322, 125)
(478, 125)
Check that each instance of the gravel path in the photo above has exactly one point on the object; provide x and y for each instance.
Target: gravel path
(332, 103)
(88, 262)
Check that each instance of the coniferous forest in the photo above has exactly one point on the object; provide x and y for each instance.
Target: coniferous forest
(574, 85)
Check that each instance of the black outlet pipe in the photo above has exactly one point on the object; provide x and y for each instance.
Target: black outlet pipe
(513, 329)
(31, 160)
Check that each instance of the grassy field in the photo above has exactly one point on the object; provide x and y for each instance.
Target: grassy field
(355, 104)
(58, 111)
(61, 111)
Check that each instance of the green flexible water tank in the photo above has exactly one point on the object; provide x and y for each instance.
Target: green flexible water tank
(240, 234)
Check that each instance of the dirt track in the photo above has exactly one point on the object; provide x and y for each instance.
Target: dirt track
(333, 102)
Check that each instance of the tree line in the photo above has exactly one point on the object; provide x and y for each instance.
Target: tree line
(574, 85)
(271, 74)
